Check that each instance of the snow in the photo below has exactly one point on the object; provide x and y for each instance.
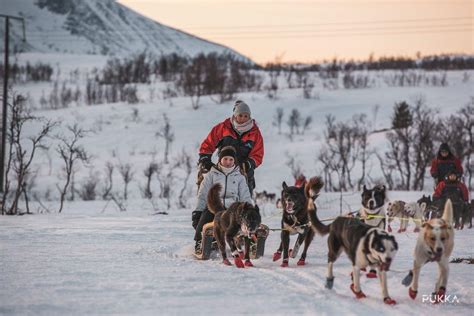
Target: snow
(85, 261)
(93, 259)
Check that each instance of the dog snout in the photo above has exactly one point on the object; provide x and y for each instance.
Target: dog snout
(388, 260)
(371, 203)
(439, 250)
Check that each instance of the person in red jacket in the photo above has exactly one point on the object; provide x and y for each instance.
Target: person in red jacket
(451, 186)
(241, 132)
(444, 162)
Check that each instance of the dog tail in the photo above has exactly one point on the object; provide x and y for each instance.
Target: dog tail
(448, 212)
(317, 224)
(214, 200)
(312, 188)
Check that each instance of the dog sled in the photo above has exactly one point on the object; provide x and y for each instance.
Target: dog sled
(257, 242)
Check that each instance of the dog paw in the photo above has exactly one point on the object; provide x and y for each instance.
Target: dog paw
(276, 256)
(389, 228)
(241, 254)
(238, 262)
(226, 262)
(416, 230)
(439, 296)
(372, 275)
(399, 231)
(284, 264)
(389, 301)
(301, 262)
(412, 293)
(329, 283)
(359, 294)
(248, 263)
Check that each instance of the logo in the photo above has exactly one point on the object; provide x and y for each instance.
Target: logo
(440, 298)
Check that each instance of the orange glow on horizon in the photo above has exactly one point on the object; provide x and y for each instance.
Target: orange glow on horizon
(311, 31)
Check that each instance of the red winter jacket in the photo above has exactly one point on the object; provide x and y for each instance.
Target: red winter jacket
(440, 167)
(249, 145)
(444, 188)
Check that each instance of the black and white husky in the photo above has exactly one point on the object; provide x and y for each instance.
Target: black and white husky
(364, 245)
(372, 210)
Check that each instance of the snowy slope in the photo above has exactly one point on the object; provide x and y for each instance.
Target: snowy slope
(98, 27)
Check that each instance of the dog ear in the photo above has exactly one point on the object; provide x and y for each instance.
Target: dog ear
(426, 224)
(284, 185)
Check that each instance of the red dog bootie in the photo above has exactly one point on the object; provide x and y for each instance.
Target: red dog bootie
(248, 263)
(226, 262)
(372, 274)
(276, 256)
(389, 228)
(440, 295)
(284, 264)
(301, 262)
(359, 294)
(238, 262)
(389, 301)
(412, 293)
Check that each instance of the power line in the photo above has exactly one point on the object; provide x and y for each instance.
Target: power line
(333, 23)
(347, 32)
(301, 25)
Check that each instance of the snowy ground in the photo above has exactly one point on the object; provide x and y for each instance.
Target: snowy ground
(92, 259)
(85, 261)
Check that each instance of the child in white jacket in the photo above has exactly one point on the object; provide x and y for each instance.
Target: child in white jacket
(234, 189)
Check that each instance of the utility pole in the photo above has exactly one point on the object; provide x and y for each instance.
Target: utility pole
(5, 92)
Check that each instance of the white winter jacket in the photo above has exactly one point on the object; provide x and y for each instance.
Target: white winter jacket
(234, 187)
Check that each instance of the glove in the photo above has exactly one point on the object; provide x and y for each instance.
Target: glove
(206, 162)
(195, 217)
(249, 165)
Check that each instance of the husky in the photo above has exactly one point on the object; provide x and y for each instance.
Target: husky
(372, 210)
(295, 220)
(241, 218)
(435, 244)
(365, 246)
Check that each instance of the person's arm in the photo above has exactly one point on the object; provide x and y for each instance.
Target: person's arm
(203, 190)
(257, 152)
(465, 192)
(458, 165)
(208, 146)
(439, 190)
(244, 192)
(434, 168)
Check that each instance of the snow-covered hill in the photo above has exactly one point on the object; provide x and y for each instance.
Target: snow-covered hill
(97, 27)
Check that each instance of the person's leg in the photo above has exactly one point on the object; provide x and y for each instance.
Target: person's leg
(206, 217)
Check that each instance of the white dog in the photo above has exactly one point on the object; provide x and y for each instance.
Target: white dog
(435, 244)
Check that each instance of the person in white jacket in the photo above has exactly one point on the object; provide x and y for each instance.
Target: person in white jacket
(234, 189)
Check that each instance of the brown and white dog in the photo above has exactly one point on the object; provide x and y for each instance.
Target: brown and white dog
(395, 209)
(435, 244)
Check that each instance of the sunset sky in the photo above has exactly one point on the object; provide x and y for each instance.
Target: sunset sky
(314, 30)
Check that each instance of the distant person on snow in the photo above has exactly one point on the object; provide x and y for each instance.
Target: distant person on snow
(451, 186)
(234, 189)
(443, 162)
(241, 132)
